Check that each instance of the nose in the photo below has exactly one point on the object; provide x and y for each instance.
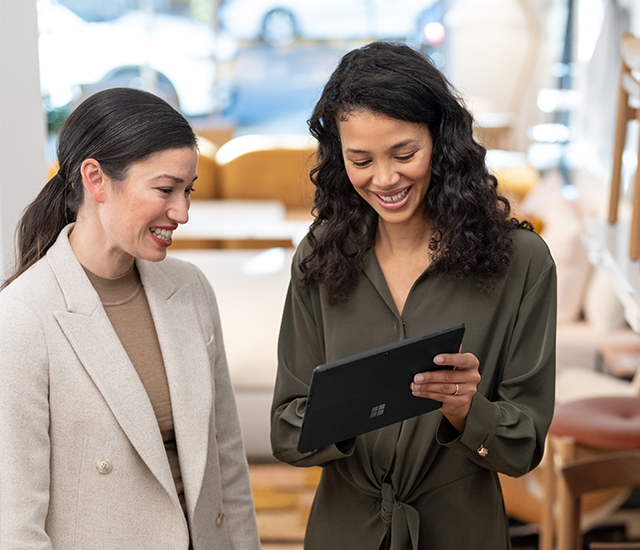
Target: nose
(179, 209)
(385, 175)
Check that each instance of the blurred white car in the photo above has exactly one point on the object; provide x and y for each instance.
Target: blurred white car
(184, 55)
(279, 22)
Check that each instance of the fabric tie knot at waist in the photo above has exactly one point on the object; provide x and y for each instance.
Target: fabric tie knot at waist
(402, 520)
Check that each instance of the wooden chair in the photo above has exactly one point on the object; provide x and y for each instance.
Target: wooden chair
(206, 184)
(628, 88)
(614, 470)
(268, 167)
(206, 188)
(581, 430)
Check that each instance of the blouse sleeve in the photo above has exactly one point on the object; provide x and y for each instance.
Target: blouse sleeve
(24, 429)
(300, 350)
(507, 434)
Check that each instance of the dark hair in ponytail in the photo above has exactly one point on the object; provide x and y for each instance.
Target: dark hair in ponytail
(116, 127)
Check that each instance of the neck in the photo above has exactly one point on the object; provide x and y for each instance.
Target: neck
(93, 252)
(404, 238)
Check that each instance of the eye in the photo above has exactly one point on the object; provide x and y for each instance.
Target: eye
(189, 190)
(165, 190)
(361, 164)
(406, 157)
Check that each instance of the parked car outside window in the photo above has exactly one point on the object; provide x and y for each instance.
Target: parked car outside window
(177, 53)
(280, 22)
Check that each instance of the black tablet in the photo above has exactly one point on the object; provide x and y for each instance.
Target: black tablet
(371, 389)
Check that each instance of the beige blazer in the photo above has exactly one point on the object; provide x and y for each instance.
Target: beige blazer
(82, 462)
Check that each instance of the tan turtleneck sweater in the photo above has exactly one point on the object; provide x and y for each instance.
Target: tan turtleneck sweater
(126, 305)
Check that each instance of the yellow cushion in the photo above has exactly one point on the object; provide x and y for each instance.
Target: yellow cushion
(517, 181)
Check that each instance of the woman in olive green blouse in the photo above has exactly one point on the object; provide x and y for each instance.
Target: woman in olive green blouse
(410, 235)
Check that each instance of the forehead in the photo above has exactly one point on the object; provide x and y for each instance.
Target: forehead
(180, 160)
(369, 127)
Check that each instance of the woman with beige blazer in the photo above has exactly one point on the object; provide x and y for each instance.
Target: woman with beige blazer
(118, 426)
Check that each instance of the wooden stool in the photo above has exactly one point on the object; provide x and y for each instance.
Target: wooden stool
(629, 86)
(583, 428)
(582, 477)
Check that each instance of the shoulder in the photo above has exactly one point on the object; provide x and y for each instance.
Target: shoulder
(356, 241)
(531, 260)
(36, 286)
(305, 247)
(26, 308)
(529, 246)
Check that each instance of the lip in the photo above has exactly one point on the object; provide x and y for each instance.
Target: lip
(158, 240)
(161, 242)
(394, 205)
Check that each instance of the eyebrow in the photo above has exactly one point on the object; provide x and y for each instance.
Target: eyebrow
(174, 178)
(398, 145)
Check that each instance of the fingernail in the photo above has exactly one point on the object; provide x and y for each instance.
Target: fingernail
(439, 360)
(419, 378)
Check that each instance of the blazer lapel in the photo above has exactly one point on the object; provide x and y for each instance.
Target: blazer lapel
(188, 371)
(90, 333)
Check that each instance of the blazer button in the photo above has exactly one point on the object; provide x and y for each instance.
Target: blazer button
(219, 519)
(104, 466)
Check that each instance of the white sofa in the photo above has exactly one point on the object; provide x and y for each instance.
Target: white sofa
(250, 287)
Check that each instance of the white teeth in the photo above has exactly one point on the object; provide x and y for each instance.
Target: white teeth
(395, 198)
(164, 234)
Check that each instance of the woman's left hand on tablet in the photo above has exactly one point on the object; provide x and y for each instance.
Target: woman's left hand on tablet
(454, 388)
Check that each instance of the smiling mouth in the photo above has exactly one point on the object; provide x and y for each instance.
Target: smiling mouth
(390, 199)
(164, 234)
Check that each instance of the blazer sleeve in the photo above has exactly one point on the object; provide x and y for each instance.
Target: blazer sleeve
(24, 428)
(234, 474)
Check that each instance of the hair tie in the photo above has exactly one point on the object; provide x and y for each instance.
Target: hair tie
(64, 179)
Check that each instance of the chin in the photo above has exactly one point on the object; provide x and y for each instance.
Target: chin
(156, 256)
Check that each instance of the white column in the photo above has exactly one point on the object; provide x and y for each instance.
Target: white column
(22, 122)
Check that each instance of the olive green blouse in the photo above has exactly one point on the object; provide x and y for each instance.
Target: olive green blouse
(419, 484)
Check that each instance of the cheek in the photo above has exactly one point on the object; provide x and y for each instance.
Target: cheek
(357, 178)
(420, 170)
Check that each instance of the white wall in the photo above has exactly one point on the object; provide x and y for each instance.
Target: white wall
(22, 123)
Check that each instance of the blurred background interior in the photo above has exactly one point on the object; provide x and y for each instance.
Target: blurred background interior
(554, 89)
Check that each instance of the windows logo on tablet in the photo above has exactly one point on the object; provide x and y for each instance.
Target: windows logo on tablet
(378, 410)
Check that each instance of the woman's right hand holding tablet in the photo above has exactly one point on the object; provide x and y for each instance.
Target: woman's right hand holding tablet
(455, 387)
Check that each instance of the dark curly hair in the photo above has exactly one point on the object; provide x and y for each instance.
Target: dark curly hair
(471, 222)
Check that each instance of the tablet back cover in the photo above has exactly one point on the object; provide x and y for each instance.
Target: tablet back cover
(369, 390)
